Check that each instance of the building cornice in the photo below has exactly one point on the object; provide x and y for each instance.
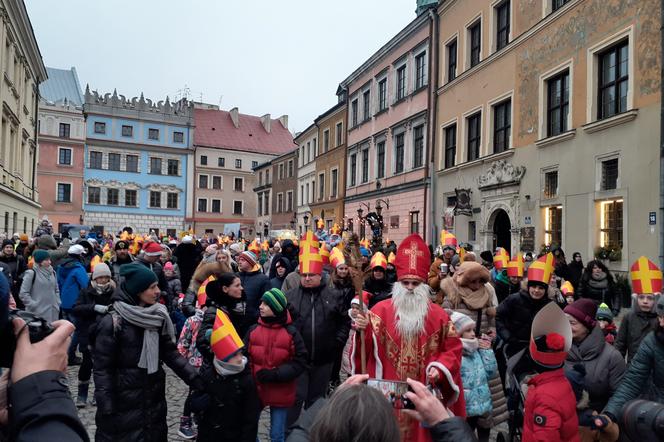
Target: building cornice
(18, 16)
(73, 142)
(95, 142)
(386, 191)
(18, 196)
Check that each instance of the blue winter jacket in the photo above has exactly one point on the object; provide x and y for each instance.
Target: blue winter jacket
(72, 278)
(477, 368)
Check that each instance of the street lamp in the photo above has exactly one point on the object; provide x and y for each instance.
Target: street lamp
(306, 216)
(379, 208)
(360, 212)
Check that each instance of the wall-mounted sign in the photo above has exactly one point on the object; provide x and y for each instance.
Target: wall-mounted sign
(463, 205)
(652, 218)
(527, 220)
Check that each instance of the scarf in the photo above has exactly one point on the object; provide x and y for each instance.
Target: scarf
(470, 346)
(100, 289)
(228, 369)
(45, 272)
(474, 300)
(600, 282)
(150, 319)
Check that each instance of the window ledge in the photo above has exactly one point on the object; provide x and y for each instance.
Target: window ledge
(493, 157)
(606, 123)
(380, 112)
(544, 142)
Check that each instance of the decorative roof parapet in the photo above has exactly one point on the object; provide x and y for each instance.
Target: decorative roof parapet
(182, 108)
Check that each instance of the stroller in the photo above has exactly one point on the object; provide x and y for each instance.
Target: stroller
(519, 367)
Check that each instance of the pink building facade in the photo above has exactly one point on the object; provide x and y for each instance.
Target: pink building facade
(387, 161)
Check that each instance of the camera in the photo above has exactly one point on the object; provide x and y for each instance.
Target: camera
(38, 329)
(643, 420)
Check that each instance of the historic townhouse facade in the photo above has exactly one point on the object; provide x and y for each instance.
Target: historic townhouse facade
(23, 70)
(387, 142)
(61, 148)
(328, 201)
(229, 146)
(285, 191)
(307, 148)
(547, 125)
(263, 192)
(137, 154)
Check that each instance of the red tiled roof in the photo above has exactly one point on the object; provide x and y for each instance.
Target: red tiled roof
(214, 128)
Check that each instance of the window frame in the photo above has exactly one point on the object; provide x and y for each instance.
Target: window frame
(474, 48)
(421, 79)
(289, 201)
(99, 127)
(354, 112)
(168, 200)
(603, 167)
(450, 128)
(89, 194)
(339, 133)
(334, 182)
(203, 177)
(203, 160)
(505, 125)
(418, 156)
(160, 168)
(605, 230)
(547, 193)
(71, 156)
(101, 160)
(235, 189)
(604, 85)
(399, 152)
(452, 62)
(564, 103)
(366, 105)
(151, 194)
(127, 162)
(128, 192)
(401, 82)
(364, 172)
(380, 158)
(553, 231)
(57, 192)
(220, 179)
(212, 204)
(118, 163)
(178, 137)
(64, 130)
(382, 94)
(506, 30)
(352, 172)
(130, 133)
(151, 134)
(241, 207)
(238, 163)
(116, 193)
(169, 162)
(326, 140)
(221, 162)
(205, 205)
(321, 186)
(477, 138)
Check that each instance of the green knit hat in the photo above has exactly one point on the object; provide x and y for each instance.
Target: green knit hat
(137, 278)
(604, 313)
(40, 255)
(276, 300)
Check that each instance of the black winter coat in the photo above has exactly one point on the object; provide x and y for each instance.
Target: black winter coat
(514, 318)
(607, 295)
(380, 290)
(84, 310)
(254, 285)
(41, 408)
(227, 407)
(320, 317)
(188, 255)
(131, 404)
(575, 272)
(634, 327)
(345, 287)
(236, 315)
(17, 266)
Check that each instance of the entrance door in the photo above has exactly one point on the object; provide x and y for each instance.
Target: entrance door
(502, 237)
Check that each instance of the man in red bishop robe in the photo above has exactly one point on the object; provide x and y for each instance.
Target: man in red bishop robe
(408, 336)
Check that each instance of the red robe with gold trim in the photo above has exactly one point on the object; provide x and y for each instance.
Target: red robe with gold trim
(390, 357)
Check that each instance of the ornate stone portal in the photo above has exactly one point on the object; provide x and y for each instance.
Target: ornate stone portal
(501, 173)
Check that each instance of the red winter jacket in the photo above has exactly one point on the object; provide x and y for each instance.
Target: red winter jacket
(550, 412)
(277, 347)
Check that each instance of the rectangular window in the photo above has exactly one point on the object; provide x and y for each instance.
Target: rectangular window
(221, 162)
(155, 199)
(365, 165)
(95, 160)
(450, 146)
(153, 134)
(112, 197)
(254, 164)
(401, 82)
(203, 160)
(420, 70)
(216, 182)
(418, 147)
(353, 169)
(557, 104)
(202, 205)
(611, 219)
(155, 166)
(178, 137)
(238, 164)
(353, 113)
(202, 181)
(321, 186)
(609, 174)
(267, 176)
(64, 130)
(280, 202)
(114, 161)
(64, 193)
(334, 181)
(398, 153)
(267, 203)
(380, 157)
(237, 207)
(172, 200)
(475, 33)
(414, 222)
(132, 163)
(94, 195)
(173, 167)
(551, 184)
(553, 225)
(502, 25)
(339, 133)
(326, 140)
(451, 60)
(281, 171)
(474, 136)
(289, 201)
(613, 79)
(100, 128)
(472, 231)
(127, 131)
(130, 198)
(64, 156)
(557, 4)
(502, 124)
(382, 94)
(366, 105)
(290, 168)
(216, 206)
(260, 204)
(238, 184)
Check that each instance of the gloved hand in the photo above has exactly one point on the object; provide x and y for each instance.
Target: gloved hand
(101, 309)
(266, 375)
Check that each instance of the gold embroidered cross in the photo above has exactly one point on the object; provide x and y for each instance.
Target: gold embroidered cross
(413, 253)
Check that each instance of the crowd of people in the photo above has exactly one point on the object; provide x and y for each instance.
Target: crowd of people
(297, 326)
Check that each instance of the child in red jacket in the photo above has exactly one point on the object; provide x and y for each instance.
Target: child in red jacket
(550, 409)
(277, 356)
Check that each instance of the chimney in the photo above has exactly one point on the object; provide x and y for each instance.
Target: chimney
(235, 116)
(267, 122)
(284, 121)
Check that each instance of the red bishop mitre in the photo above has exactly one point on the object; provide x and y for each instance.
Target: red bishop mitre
(413, 258)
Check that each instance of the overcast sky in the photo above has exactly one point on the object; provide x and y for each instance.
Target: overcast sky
(277, 57)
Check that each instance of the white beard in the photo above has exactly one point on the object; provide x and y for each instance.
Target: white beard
(410, 309)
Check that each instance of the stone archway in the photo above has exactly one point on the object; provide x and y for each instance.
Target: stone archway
(501, 227)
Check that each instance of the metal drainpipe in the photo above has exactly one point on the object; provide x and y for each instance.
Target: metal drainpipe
(661, 139)
(433, 106)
